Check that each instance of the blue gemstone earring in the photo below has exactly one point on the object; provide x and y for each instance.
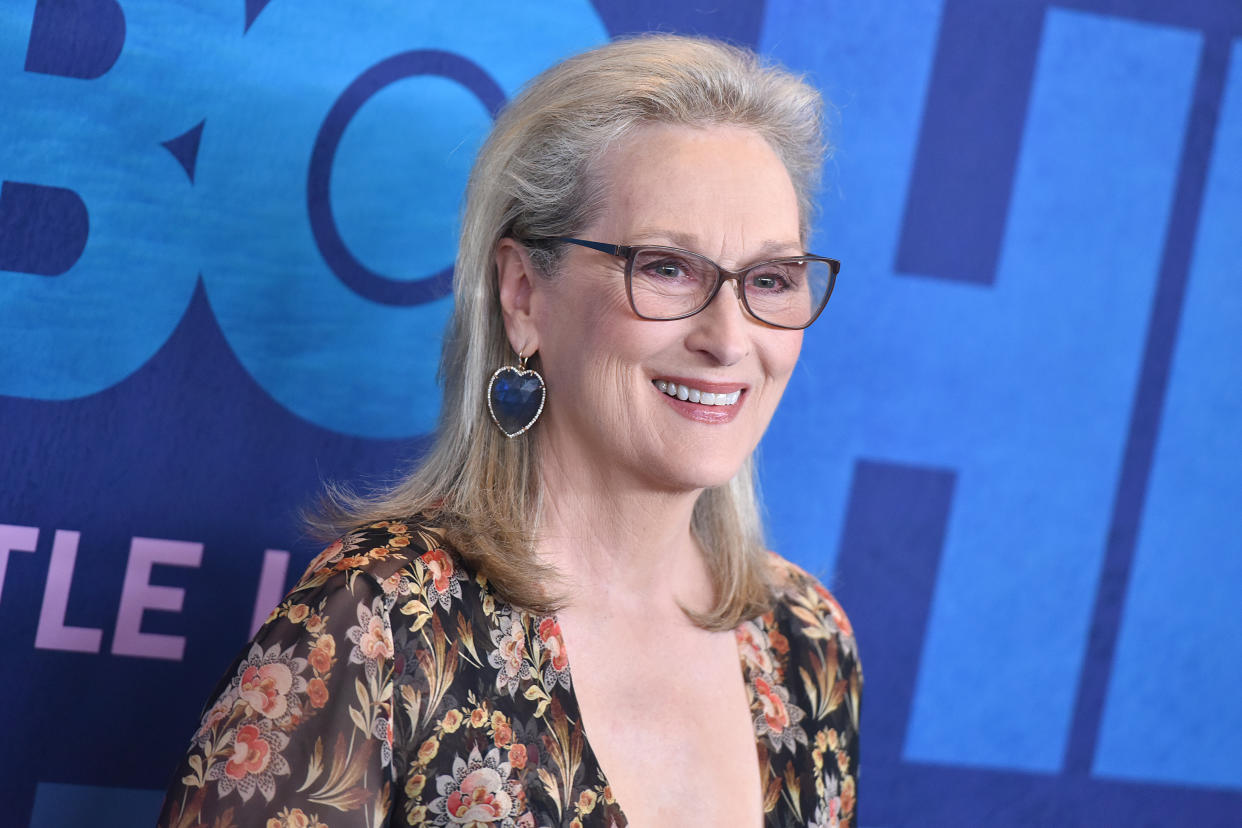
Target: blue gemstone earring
(515, 397)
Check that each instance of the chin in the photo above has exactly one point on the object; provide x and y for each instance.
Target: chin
(693, 476)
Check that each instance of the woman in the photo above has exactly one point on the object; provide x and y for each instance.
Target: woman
(420, 673)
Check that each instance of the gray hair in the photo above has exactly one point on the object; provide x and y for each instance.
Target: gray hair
(535, 177)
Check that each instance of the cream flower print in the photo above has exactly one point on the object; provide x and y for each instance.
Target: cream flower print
(372, 638)
(478, 793)
(219, 711)
(270, 683)
(444, 579)
(509, 657)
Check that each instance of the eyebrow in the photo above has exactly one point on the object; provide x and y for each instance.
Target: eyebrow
(688, 241)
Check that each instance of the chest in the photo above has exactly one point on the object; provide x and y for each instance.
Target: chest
(667, 714)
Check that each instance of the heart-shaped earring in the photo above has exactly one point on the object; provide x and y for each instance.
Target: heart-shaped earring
(515, 398)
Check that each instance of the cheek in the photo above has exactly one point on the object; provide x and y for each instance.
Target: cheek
(781, 354)
(585, 339)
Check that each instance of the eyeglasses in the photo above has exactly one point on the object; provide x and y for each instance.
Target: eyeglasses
(666, 283)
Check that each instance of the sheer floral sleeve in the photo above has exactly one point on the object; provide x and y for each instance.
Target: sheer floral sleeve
(299, 731)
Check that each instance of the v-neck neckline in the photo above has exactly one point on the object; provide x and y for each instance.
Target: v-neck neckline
(573, 710)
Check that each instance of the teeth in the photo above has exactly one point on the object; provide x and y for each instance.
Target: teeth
(694, 395)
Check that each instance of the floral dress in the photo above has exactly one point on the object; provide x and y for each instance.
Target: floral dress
(392, 687)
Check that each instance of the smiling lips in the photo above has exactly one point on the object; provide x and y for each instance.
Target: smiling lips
(695, 395)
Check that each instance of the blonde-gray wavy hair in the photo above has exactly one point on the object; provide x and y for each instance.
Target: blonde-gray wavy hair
(535, 178)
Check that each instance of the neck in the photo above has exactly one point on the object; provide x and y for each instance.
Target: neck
(620, 546)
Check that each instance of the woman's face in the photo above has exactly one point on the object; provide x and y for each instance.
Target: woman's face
(718, 191)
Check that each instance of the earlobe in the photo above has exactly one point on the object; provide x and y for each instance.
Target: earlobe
(516, 282)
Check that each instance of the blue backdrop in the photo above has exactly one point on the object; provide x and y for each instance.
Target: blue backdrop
(1011, 445)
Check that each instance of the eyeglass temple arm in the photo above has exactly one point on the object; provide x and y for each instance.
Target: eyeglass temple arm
(611, 249)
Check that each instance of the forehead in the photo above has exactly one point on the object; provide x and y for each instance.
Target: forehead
(722, 186)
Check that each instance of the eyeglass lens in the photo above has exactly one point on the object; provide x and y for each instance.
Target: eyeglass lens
(666, 284)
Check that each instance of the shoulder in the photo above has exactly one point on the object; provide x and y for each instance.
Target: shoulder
(398, 555)
(401, 571)
(807, 608)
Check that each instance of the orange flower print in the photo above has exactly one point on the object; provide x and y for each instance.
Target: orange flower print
(586, 801)
(777, 718)
(372, 639)
(253, 764)
(478, 793)
(314, 624)
(451, 721)
(503, 735)
(295, 818)
(557, 667)
(848, 793)
(326, 555)
(250, 753)
(299, 613)
(396, 584)
(317, 691)
(517, 756)
(320, 656)
(774, 712)
(478, 717)
(376, 643)
(445, 582)
(266, 689)
(752, 644)
(778, 641)
(428, 750)
(414, 784)
(550, 635)
(834, 609)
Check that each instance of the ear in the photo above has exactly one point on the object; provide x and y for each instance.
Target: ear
(517, 281)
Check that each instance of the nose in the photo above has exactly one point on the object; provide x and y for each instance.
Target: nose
(722, 329)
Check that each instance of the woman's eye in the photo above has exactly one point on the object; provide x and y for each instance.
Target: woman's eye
(668, 269)
(770, 280)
